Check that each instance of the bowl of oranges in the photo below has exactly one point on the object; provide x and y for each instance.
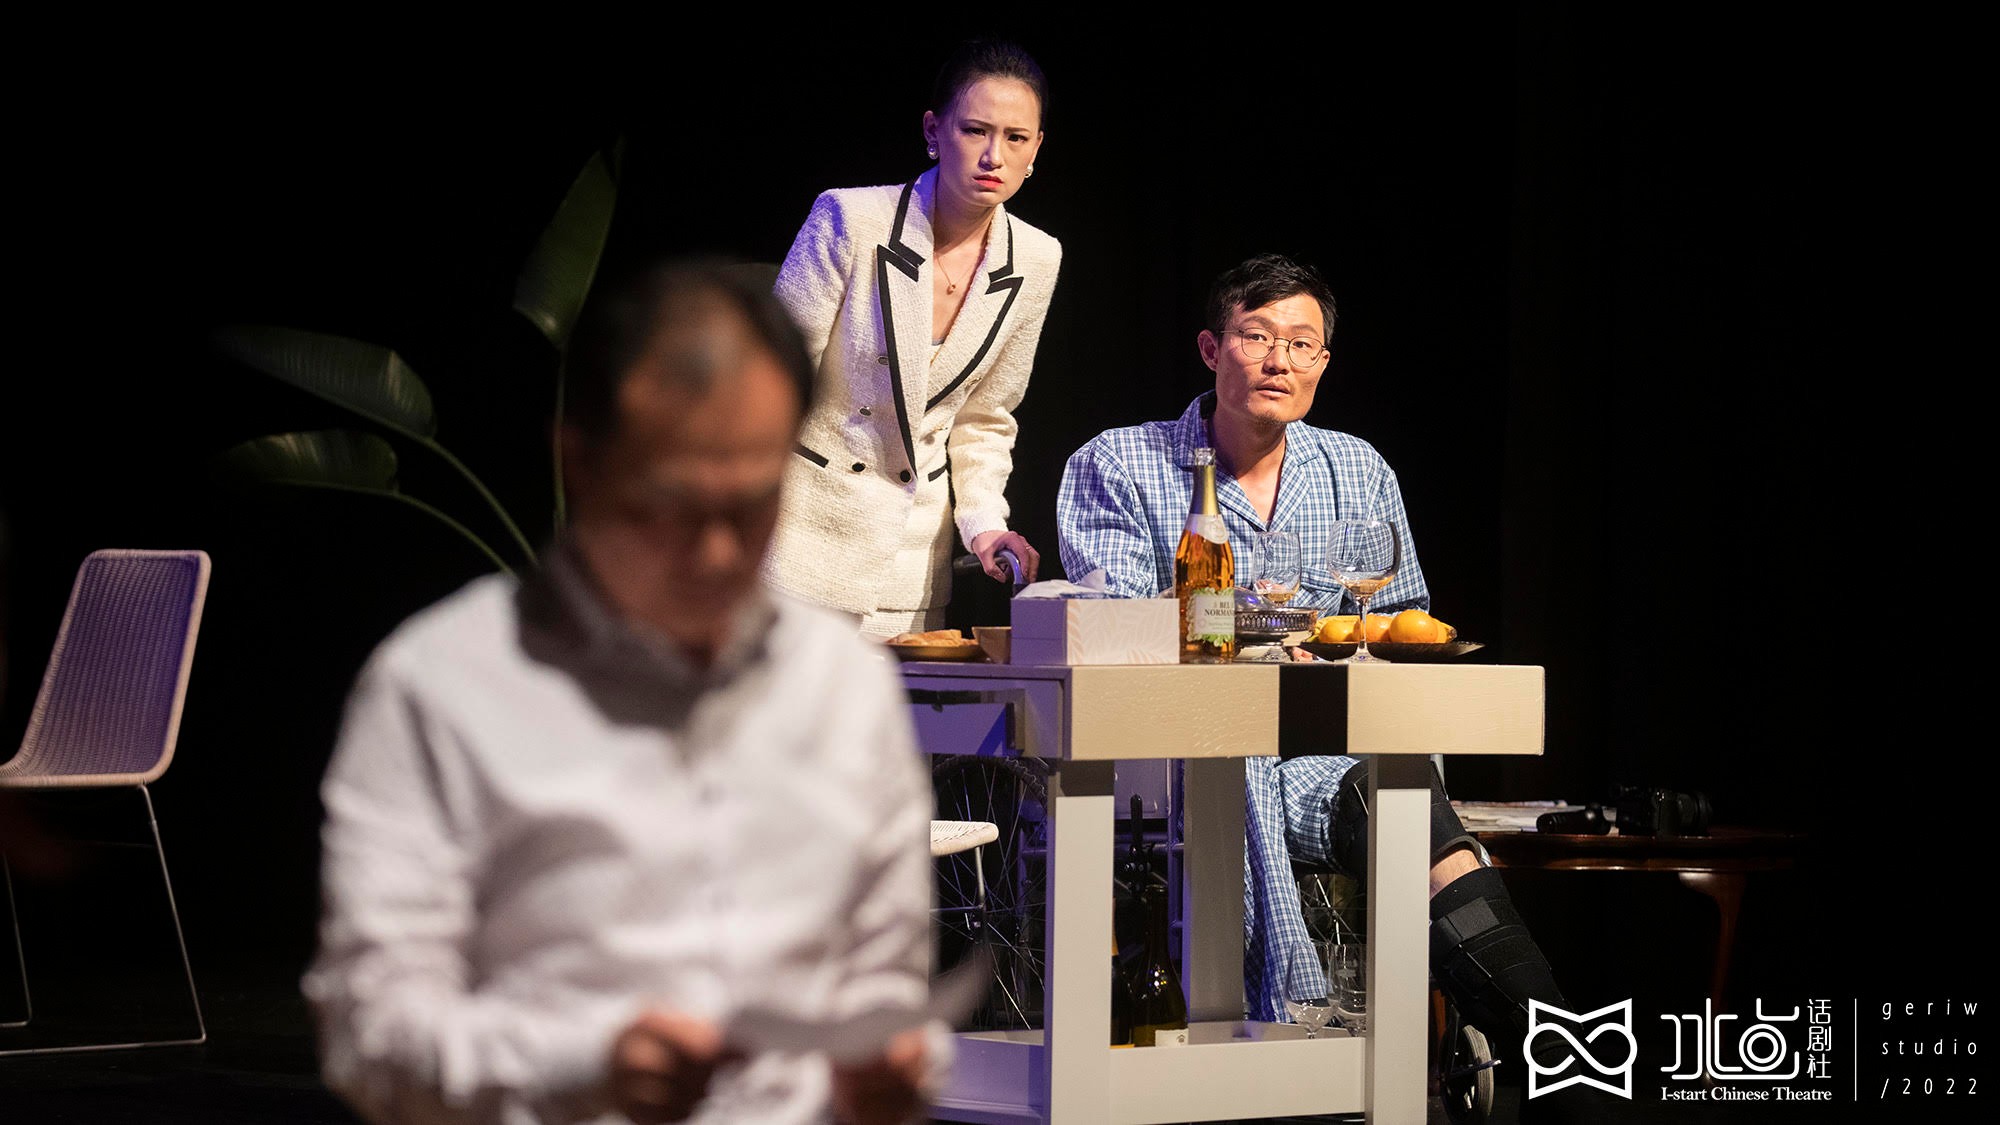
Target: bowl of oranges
(1409, 637)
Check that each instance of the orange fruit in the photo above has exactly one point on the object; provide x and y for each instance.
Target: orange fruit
(1377, 627)
(1415, 627)
(1335, 630)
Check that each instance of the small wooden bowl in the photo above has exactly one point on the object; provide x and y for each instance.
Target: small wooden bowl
(997, 640)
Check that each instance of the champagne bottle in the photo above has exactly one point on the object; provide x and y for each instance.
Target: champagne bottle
(1159, 1009)
(1205, 574)
(1128, 918)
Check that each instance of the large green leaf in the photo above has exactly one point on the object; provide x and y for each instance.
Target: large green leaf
(368, 379)
(338, 461)
(557, 275)
(345, 459)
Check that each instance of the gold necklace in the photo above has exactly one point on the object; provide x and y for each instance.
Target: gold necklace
(951, 284)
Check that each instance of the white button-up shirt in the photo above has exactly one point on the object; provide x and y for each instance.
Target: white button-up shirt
(542, 822)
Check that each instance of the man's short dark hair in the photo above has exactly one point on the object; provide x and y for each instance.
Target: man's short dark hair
(625, 314)
(1262, 280)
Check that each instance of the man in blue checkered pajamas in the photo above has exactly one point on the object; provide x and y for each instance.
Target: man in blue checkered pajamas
(1124, 500)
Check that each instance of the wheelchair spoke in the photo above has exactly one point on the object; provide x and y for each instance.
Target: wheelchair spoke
(1010, 794)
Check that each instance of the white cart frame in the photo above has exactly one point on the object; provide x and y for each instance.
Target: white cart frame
(1081, 720)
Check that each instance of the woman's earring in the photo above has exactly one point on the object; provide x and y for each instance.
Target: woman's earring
(1031, 171)
(931, 152)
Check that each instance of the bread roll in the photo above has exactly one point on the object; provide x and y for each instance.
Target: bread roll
(933, 637)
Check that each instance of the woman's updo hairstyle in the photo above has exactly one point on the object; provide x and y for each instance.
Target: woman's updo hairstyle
(988, 58)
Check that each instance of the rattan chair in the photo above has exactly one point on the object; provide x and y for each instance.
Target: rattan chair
(109, 711)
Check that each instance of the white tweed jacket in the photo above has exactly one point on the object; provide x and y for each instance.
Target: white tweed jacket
(889, 422)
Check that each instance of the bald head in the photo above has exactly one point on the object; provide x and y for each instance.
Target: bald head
(686, 397)
(682, 323)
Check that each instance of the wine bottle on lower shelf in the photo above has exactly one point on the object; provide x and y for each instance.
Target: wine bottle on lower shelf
(1159, 1008)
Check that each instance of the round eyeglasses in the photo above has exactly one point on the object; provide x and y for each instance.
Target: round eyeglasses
(1304, 350)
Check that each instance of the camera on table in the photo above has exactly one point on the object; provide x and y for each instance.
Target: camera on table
(1635, 811)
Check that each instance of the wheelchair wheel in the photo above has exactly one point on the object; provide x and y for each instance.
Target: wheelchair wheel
(1468, 1077)
(1011, 793)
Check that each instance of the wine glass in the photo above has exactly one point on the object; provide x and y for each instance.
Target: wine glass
(1347, 984)
(1276, 566)
(1305, 988)
(1363, 556)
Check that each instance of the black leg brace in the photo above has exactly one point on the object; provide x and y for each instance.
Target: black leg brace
(1487, 962)
(1485, 959)
(1481, 953)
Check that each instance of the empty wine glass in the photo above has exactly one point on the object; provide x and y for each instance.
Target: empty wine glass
(1305, 988)
(1347, 984)
(1363, 556)
(1276, 566)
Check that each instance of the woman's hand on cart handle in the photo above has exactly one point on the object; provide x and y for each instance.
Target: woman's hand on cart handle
(994, 549)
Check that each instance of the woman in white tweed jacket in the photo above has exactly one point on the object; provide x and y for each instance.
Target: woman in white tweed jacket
(921, 304)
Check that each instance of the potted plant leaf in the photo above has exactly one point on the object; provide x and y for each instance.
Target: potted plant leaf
(374, 384)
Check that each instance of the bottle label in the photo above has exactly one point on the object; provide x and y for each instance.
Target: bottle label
(1211, 615)
(1209, 526)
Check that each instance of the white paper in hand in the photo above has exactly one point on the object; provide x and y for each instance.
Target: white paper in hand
(866, 1034)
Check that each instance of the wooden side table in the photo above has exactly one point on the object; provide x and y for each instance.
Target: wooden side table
(1718, 865)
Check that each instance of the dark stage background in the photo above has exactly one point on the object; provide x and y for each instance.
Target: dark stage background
(1617, 301)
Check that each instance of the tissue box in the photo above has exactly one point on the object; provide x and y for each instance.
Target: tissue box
(1096, 631)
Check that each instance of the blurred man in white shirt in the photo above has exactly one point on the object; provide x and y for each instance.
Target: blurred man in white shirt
(579, 825)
